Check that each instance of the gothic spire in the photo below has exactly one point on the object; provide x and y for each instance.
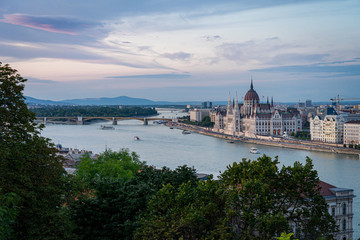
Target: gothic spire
(236, 104)
(229, 107)
(251, 85)
(272, 101)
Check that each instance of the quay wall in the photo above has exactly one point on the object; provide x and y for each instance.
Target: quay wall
(295, 144)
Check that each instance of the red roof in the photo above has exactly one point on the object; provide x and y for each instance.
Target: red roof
(324, 189)
(251, 95)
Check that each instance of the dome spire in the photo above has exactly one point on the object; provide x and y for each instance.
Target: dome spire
(251, 85)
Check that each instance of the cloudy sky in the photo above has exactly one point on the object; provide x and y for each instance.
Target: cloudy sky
(181, 50)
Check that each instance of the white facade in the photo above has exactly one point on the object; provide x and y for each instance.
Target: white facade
(352, 133)
(197, 115)
(316, 129)
(333, 129)
(330, 130)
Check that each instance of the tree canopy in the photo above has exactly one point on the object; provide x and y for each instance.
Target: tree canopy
(29, 166)
(110, 165)
(191, 211)
(267, 201)
(115, 203)
(252, 200)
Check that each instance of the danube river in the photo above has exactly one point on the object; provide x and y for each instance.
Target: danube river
(161, 146)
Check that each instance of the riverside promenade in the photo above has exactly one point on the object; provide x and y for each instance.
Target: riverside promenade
(277, 142)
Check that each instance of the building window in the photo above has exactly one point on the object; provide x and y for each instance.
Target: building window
(344, 208)
(344, 224)
(333, 211)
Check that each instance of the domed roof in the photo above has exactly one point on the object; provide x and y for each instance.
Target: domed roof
(252, 94)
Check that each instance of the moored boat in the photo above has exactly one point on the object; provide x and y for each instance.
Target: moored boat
(104, 127)
(254, 150)
(186, 132)
(136, 138)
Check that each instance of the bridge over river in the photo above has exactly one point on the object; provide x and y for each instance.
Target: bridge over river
(82, 120)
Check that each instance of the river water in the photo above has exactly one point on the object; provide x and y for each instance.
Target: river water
(161, 146)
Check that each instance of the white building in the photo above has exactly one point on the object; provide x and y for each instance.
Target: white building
(316, 129)
(340, 201)
(254, 118)
(197, 115)
(330, 129)
(352, 133)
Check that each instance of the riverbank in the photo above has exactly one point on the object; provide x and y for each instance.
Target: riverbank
(279, 142)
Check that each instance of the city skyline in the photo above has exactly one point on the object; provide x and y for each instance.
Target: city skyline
(183, 50)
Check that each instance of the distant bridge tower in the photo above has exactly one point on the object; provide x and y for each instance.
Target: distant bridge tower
(44, 121)
(80, 121)
(114, 121)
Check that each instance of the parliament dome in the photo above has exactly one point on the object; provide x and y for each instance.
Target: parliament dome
(252, 94)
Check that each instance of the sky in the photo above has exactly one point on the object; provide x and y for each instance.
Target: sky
(183, 50)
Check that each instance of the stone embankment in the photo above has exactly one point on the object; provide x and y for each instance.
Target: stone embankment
(279, 142)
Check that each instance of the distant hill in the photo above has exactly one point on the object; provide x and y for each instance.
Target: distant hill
(122, 100)
(35, 101)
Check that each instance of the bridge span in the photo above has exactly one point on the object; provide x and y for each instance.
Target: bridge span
(82, 120)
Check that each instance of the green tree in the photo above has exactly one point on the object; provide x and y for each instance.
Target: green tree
(266, 199)
(109, 165)
(188, 212)
(29, 166)
(8, 212)
(285, 236)
(113, 207)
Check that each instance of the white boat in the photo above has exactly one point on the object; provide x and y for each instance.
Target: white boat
(186, 132)
(254, 150)
(103, 127)
(136, 138)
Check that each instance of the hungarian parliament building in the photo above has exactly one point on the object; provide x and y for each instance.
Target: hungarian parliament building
(253, 118)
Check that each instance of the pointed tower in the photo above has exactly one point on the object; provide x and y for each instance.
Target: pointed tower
(272, 101)
(229, 107)
(236, 107)
(267, 100)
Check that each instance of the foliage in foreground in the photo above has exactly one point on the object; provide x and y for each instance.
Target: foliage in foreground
(29, 167)
(110, 165)
(187, 212)
(8, 212)
(266, 199)
(252, 200)
(113, 203)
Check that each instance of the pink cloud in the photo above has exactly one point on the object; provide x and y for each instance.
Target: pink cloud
(47, 23)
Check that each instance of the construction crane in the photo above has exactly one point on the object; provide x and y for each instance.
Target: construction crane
(337, 99)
